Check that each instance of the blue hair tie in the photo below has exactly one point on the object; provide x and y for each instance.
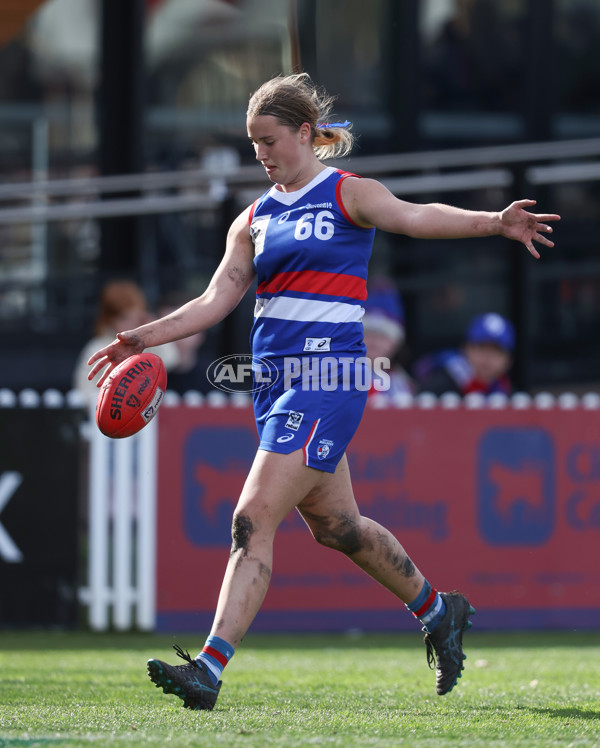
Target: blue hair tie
(327, 125)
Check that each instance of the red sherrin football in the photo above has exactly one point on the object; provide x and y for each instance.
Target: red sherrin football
(131, 396)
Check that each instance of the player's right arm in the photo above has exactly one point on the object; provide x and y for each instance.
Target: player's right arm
(228, 285)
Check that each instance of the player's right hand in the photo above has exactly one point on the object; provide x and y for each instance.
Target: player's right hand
(126, 344)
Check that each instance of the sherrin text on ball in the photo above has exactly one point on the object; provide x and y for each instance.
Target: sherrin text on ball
(131, 396)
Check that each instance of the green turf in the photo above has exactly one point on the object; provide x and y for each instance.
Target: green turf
(370, 690)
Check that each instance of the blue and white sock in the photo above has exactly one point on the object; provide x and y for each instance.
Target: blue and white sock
(429, 607)
(215, 654)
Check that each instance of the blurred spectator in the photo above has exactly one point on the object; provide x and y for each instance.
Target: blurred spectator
(122, 306)
(481, 365)
(190, 373)
(384, 335)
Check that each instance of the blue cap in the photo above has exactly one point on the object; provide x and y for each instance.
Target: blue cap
(492, 328)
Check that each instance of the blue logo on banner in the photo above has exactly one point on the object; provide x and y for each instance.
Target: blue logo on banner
(216, 463)
(516, 486)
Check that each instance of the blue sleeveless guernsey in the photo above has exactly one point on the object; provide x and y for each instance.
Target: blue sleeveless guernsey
(311, 262)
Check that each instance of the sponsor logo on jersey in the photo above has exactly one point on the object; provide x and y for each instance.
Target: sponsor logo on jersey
(312, 206)
(317, 344)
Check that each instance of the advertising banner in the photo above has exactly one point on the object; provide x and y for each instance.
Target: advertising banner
(501, 504)
(40, 459)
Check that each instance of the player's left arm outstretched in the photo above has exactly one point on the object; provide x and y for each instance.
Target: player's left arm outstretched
(228, 285)
(370, 203)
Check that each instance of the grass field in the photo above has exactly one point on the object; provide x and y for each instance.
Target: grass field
(59, 689)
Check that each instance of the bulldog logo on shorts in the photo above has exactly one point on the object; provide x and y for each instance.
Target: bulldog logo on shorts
(324, 448)
(294, 420)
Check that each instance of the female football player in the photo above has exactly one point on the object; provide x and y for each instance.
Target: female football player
(308, 240)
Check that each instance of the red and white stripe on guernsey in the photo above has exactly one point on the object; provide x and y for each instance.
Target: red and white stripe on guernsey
(317, 282)
(309, 440)
(427, 606)
(251, 213)
(215, 654)
(312, 310)
(307, 310)
(338, 194)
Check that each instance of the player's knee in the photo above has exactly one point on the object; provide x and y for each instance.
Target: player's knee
(344, 536)
(242, 530)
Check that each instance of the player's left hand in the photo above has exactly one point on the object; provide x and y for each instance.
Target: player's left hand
(520, 224)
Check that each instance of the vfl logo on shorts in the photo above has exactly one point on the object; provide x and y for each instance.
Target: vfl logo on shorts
(324, 448)
(294, 420)
(317, 344)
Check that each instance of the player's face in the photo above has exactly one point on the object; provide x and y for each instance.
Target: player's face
(278, 148)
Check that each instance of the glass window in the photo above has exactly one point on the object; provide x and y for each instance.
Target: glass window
(577, 64)
(350, 62)
(61, 44)
(47, 130)
(472, 68)
(203, 60)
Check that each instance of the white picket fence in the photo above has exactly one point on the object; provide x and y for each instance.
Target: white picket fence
(122, 531)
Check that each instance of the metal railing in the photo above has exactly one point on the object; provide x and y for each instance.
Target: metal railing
(205, 189)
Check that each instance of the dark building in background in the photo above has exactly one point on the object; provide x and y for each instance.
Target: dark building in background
(100, 90)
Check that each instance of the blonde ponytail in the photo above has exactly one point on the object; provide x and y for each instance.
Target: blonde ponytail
(295, 99)
(332, 141)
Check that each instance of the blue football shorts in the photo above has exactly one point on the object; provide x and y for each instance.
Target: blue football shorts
(318, 415)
